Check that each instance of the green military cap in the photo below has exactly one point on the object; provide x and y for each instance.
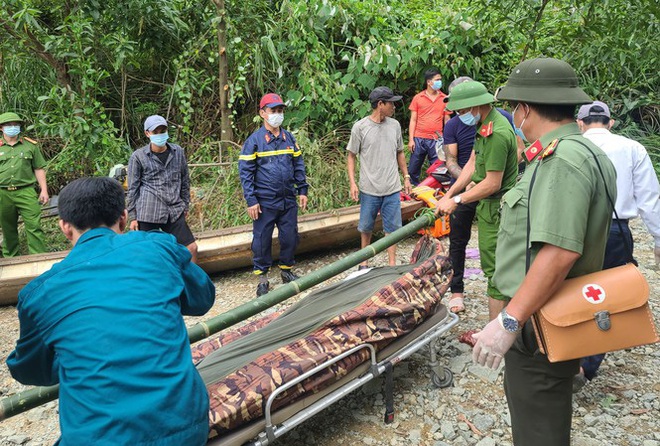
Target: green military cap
(543, 80)
(9, 117)
(468, 94)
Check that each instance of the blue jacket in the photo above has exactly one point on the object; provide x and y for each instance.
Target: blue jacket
(272, 170)
(106, 324)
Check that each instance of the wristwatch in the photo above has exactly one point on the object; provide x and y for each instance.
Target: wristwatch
(457, 199)
(508, 322)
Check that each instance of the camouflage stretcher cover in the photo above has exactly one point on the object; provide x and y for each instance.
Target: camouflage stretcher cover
(385, 314)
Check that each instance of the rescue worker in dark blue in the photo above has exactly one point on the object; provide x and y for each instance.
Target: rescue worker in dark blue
(272, 174)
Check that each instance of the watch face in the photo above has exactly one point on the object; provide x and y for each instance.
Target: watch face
(457, 199)
(510, 324)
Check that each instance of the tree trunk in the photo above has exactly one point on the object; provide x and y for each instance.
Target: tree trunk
(226, 133)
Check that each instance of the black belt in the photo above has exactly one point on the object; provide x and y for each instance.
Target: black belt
(13, 188)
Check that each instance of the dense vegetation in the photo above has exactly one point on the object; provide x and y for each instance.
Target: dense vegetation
(87, 73)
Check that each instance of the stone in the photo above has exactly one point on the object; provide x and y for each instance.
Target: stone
(415, 435)
(487, 441)
(485, 373)
(483, 422)
(17, 439)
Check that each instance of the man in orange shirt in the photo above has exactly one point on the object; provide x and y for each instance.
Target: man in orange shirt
(427, 116)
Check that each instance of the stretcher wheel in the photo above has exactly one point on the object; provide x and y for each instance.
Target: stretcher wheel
(442, 381)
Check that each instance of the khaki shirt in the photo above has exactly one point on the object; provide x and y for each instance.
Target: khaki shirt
(18, 163)
(569, 208)
(496, 150)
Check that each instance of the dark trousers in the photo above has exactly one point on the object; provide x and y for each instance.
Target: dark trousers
(460, 222)
(423, 148)
(616, 254)
(262, 236)
(539, 393)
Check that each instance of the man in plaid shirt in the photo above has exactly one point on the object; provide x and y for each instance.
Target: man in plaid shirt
(159, 186)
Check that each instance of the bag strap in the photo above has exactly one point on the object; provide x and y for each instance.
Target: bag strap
(528, 254)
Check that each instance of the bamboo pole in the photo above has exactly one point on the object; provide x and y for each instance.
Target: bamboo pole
(29, 399)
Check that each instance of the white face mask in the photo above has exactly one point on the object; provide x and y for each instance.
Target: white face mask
(275, 119)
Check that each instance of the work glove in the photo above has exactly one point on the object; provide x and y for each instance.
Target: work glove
(492, 343)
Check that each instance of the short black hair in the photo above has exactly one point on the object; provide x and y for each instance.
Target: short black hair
(552, 112)
(588, 120)
(88, 203)
(430, 74)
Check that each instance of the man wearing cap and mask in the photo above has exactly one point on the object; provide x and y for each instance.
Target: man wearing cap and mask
(159, 186)
(565, 221)
(21, 165)
(377, 141)
(272, 174)
(492, 167)
(638, 193)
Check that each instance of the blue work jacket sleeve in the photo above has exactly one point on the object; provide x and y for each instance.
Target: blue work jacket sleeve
(33, 362)
(198, 293)
(247, 169)
(299, 174)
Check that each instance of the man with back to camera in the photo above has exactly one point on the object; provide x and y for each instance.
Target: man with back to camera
(272, 174)
(378, 143)
(637, 194)
(492, 167)
(21, 165)
(568, 215)
(106, 324)
(159, 186)
(427, 116)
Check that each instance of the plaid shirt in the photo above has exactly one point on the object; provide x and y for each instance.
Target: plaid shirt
(156, 192)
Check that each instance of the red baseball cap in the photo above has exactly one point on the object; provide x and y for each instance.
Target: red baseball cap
(271, 100)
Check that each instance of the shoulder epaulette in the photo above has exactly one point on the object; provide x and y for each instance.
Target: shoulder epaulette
(30, 140)
(486, 129)
(550, 149)
(533, 150)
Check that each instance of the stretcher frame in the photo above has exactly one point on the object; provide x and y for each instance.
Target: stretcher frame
(273, 425)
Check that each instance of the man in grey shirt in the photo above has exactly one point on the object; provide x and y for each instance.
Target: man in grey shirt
(159, 186)
(377, 141)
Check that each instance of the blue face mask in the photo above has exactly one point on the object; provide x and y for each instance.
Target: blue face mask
(159, 139)
(436, 85)
(469, 119)
(518, 130)
(11, 130)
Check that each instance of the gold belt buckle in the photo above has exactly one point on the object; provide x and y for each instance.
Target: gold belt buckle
(12, 188)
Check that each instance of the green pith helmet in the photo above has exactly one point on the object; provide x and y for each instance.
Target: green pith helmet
(468, 94)
(543, 81)
(9, 117)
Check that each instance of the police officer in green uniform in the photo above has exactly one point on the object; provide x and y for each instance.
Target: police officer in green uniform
(488, 175)
(568, 216)
(21, 165)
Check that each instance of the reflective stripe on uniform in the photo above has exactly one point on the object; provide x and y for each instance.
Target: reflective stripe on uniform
(256, 155)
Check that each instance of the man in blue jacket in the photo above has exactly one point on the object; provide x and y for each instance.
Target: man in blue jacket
(106, 324)
(272, 174)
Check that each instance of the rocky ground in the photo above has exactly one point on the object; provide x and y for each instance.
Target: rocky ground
(620, 407)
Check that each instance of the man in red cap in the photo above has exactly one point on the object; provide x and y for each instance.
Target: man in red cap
(272, 174)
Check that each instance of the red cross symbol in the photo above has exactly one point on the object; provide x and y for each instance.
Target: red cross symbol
(593, 293)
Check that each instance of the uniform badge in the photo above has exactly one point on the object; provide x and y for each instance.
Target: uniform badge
(550, 149)
(486, 130)
(533, 150)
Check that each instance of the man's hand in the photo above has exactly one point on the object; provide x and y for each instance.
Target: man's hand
(656, 251)
(355, 192)
(407, 188)
(302, 199)
(133, 226)
(492, 343)
(445, 206)
(43, 196)
(254, 211)
(411, 145)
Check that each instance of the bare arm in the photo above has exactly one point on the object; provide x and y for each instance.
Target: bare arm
(451, 153)
(488, 186)
(464, 178)
(350, 166)
(401, 160)
(40, 175)
(411, 130)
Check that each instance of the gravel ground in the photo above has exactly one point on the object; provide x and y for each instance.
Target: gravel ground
(620, 407)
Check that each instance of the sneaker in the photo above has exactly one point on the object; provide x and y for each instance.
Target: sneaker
(262, 288)
(579, 381)
(288, 276)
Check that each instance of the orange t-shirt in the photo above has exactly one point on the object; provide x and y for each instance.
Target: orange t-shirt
(430, 114)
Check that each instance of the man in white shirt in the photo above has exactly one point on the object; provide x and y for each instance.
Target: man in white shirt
(638, 193)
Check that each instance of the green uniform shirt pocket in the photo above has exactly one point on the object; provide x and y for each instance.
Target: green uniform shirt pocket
(512, 203)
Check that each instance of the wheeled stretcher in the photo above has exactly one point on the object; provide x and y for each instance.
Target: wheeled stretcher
(278, 371)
